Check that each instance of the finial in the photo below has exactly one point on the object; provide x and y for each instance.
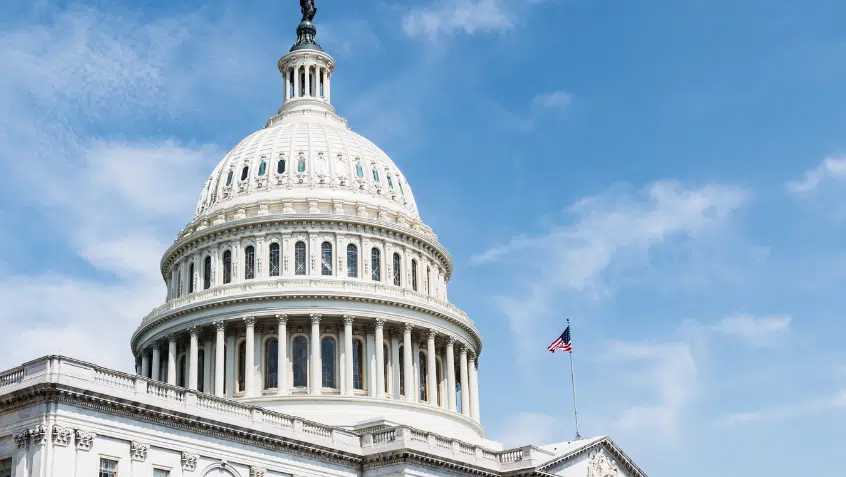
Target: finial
(307, 7)
(306, 32)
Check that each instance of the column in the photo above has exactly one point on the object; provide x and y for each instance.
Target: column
(249, 356)
(322, 80)
(407, 368)
(208, 378)
(415, 361)
(348, 346)
(431, 369)
(287, 92)
(380, 358)
(229, 383)
(326, 90)
(145, 363)
(157, 362)
(341, 372)
(474, 389)
(316, 364)
(193, 359)
(450, 365)
(282, 386)
(307, 78)
(465, 385)
(296, 81)
(395, 362)
(171, 360)
(219, 357)
(369, 343)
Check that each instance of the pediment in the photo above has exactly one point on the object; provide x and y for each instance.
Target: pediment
(597, 460)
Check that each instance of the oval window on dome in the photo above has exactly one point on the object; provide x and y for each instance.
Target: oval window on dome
(229, 178)
(402, 191)
(301, 165)
(359, 171)
(390, 182)
(375, 175)
(262, 169)
(280, 166)
(245, 172)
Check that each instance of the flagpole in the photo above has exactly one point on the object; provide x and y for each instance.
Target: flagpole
(573, 381)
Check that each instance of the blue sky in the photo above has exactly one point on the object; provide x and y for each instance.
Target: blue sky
(669, 175)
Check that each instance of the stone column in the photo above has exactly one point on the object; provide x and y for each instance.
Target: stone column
(282, 387)
(157, 362)
(395, 362)
(287, 92)
(465, 384)
(193, 359)
(145, 363)
(415, 361)
(370, 348)
(326, 89)
(171, 360)
(320, 80)
(208, 378)
(474, 389)
(450, 364)
(307, 78)
(380, 358)
(229, 384)
(219, 357)
(316, 364)
(348, 346)
(407, 364)
(431, 368)
(296, 81)
(249, 356)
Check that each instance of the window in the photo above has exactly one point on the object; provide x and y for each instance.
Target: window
(301, 165)
(397, 270)
(108, 468)
(358, 370)
(161, 473)
(229, 178)
(245, 172)
(402, 191)
(390, 182)
(201, 371)
(299, 258)
(280, 166)
(191, 278)
(227, 267)
(375, 175)
(207, 273)
(274, 260)
(299, 352)
(250, 263)
(376, 265)
(359, 171)
(326, 259)
(424, 378)
(242, 366)
(179, 282)
(327, 357)
(414, 275)
(352, 261)
(402, 370)
(271, 360)
(262, 169)
(6, 468)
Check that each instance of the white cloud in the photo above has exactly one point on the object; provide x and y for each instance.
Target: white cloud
(468, 16)
(759, 332)
(820, 405)
(555, 99)
(830, 168)
(352, 36)
(524, 428)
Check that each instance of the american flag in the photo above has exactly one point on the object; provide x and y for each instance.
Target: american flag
(563, 342)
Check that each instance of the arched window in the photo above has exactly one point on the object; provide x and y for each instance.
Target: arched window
(299, 355)
(179, 282)
(227, 267)
(300, 258)
(229, 178)
(191, 278)
(183, 378)
(301, 164)
(201, 370)
(271, 364)
(250, 263)
(358, 369)
(402, 191)
(402, 370)
(352, 261)
(428, 280)
(424, 377)
(375, 175)
(414, 275)
(327, 357)
(359, 171)
(242, 366)
(207, 273)
(326, 259)
(390, 182)
(376, 265)
(245, 172)
(386, 353)
(397, 270)
(262, 169)
(280, 166)
(274, 259)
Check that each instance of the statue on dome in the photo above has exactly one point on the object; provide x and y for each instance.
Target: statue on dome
(307, 7)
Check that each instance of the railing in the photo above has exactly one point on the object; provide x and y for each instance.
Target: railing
(443, 443)
(417, 436)
(508, 457)
(486, 454)
(114, 379)
(317, 284)
(317, 429)
(225, 406)
(278, 420)
(9, 378)
(465, 449)
(385, 436)
(166, 391)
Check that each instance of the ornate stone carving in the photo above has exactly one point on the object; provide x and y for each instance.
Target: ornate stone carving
(264, 209)
(313, 207)
(288, 207)
(240, 214)
(380, 322)
(432, 334)
(315, 318)
(361, 211)
(282, 319)
(22, 439)
(408, 327)
(250, 320)
(338, 208)
(38, 435)
(600, 465)
(257, 471)
(189, 461)
(138, 451)
(348, 320)
(62, 435)
(220, 325)
(84, 439)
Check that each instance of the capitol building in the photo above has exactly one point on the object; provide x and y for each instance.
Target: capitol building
(307, 332)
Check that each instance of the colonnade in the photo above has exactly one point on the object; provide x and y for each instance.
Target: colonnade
(357, 370)
(307, 80)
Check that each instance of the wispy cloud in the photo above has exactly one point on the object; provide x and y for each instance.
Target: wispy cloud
(831, 168)
(834, 402)
(757, 331)
(447, 17)
(555, 100)
(534, 428)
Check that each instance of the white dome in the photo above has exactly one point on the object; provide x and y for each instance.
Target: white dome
(323, 160)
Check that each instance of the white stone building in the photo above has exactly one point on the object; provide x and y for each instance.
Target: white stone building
(306, 332)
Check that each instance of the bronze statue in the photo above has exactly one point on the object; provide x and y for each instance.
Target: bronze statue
(307, 7)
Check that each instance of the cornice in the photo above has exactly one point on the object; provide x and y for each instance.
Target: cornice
(439, 463)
